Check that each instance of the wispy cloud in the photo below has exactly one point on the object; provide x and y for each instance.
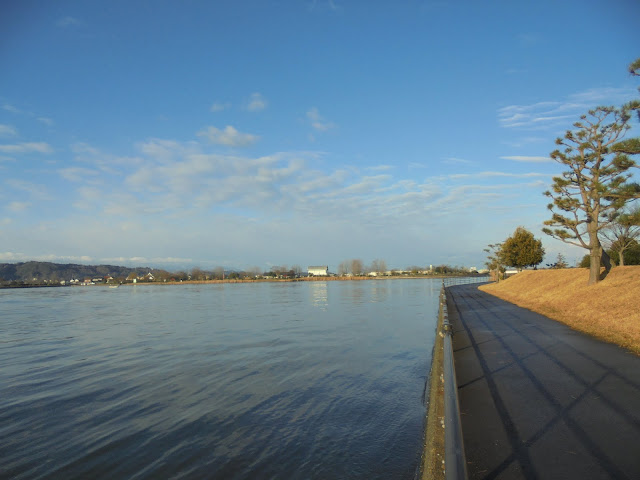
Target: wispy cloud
(381, 168)
(220, 106)
(324, 4)
(547, 115)
(256, 103)
(11, 108)
(528, 39)
(69, 21)
(145, 261)
(27, 147)
(228, 136)
(17, 207)
(35, 192)
(78, 174)
(46, 120)
(317, 121)
(177, 190)
(604, 95)
(525, 158)
(7, 131)
(105, 162)
(457, 161)
(498, 174)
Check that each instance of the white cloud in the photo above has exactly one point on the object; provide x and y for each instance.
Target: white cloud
(317, 121)
(525, 158)
(256, 103)
(21, 257)
(219, 107)
(7, 131)
(27, 147)
(229, 136)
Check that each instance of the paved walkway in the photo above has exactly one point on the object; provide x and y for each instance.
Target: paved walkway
(539, 400)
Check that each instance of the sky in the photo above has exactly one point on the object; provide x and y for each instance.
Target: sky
(280, 132)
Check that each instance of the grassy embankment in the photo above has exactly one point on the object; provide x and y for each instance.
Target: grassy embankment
(609, 310)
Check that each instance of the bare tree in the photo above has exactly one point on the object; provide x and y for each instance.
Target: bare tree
(374, 266)
(382, 266)
(343, 267)
(218, 273)
(357, 267)
(197, 274)
(254, 271)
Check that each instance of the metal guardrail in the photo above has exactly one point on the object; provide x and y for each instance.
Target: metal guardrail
(455, 463)
(449, 281)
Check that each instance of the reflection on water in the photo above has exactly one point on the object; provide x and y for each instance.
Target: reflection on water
(286, 380)
(319, 296)
(379, 291)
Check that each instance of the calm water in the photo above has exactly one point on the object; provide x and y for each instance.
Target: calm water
(289, 380)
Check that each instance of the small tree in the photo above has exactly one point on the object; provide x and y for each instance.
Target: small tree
(495, 260)
(594, 186)
(622, 232)
(561, 262)
(522, 250)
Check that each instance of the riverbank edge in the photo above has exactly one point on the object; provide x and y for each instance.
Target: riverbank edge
(608, 310)
(245, 280)
(301, 279)
(433, 454)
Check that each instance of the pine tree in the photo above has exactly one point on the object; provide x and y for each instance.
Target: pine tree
(594, 187)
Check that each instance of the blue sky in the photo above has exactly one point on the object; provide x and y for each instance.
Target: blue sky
(259, 133)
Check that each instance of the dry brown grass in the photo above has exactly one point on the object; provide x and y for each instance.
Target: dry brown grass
(609, 310)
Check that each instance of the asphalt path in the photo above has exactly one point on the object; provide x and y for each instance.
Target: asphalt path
(539, 400)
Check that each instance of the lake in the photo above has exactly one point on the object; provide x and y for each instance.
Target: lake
(257, 380)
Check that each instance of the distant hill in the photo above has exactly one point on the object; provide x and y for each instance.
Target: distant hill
(29, 272)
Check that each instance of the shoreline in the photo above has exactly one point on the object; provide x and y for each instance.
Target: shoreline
(249, 280)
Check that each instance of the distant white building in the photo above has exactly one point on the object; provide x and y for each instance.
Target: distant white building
(321, 271)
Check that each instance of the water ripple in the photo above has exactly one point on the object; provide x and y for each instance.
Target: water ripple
(228, 381)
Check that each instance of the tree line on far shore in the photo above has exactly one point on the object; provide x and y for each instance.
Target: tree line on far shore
(594, 202)
(35, 273)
